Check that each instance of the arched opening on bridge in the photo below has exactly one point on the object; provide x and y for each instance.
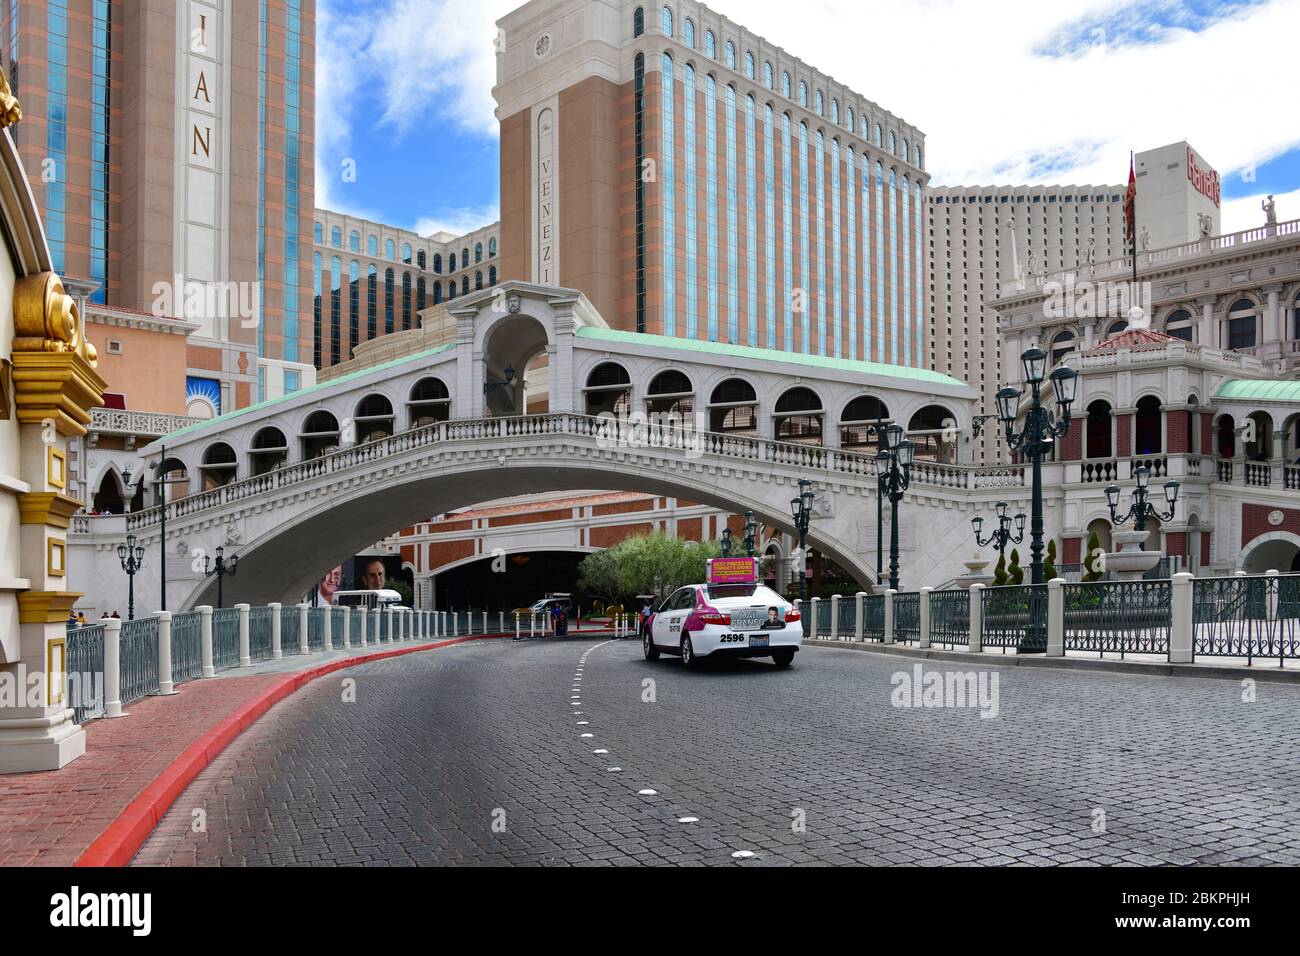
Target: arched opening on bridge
(219, 466)
(319, 436)
(608, 389)
(173, 480)
(772, 566)
(269, 452)
(528, 576)
(733, 408)
(110, 499)
(933, 429)
(1290, 437)
(671, 394)
(1101, 528)
(1148, 428)
(1280, 553)
(799, 416)
(373, 418)
(430, 402)
(1261, 447)
(860, 422)
(1098, 430)
(509, 350)
(1226, 430)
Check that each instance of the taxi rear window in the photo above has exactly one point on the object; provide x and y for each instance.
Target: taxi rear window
(732, 590)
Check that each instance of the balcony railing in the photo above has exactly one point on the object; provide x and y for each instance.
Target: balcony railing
(120, 421)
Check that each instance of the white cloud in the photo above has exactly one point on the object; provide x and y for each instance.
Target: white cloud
(1245, 212)
(456, 221)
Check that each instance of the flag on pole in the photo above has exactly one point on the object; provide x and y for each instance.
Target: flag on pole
(1130, 196)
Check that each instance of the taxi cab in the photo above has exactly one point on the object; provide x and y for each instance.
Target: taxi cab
(731, 615)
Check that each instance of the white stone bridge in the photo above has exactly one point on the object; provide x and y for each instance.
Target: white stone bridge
(298, 484)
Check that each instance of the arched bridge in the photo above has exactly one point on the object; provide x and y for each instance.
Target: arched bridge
(299, 483)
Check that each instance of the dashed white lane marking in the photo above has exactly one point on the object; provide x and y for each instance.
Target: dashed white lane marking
(688, 819)
(587, 736)
(614, 769)
(602, 751)
(742, 854)
(647, 792)
(583, 723)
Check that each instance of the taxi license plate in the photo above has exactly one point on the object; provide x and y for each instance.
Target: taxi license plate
(758, 640)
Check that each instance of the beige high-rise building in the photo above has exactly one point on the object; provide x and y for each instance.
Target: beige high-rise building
(170, 147)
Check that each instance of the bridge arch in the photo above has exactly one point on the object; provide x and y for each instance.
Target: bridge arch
(508, 344)
(374, 417)
(320, 433)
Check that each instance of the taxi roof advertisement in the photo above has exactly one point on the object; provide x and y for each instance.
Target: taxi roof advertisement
(733, 570)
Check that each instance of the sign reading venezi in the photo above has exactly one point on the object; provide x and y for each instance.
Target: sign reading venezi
(1204, 181)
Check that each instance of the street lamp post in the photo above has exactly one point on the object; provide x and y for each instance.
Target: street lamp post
(726, 542)
(751, 533)
(160, 480)
(1140, 510)
(1000, 536)
(893, 475)
(1039, 433)
(221, 568)
(801, 511)
(132, 557)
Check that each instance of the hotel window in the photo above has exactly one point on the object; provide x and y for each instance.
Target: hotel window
(451, 289)
(372, 246)
(478, 252)
(787, 231)
(336, 237)
(848, 118)
(492, 275)
(710, 45)
(464, 285)
(769, 223)
(733, 207)
(711, 212)
(638, 22)
(907, 149)
(1179, 325)
(406, 300)
(785, 84)
(669, 199)
(464, 258)
(316, 307)
(851, 254)
(336, 308)
(919, 163)
(751, 218)
(388, 301)
(835, 111)
(354, 305)
(893, 143)
(688, 32)
(478, 280)
(390, 250)
(1241, 325)
(406, 253)
(320, 234)
(819, 157)
(689, 194)
(492, 247)
(437, 263)
(768, 75)
(420, 259)
(878, 135)
(730, 55)
(437, 293)
(372, 297)
(803, 94)
(354, 241)
(880, 261)
(805, 223)
(667, 21)
(749, 65)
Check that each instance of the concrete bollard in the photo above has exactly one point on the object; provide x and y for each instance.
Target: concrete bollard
(923, 604)
(835, 617)
(375, 636)
(816, 618)
(277, 650)
(860, 607)
(1056, 617)
(113, 668)
(889, 616)
(165, 685)
(303, 644)
(245, 653)
(327, 630)
(205, 640)
(347, 628)
(1182, 624)
(976, 618)
(362, 617)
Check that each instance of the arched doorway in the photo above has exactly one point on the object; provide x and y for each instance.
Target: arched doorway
(733, 408)
(1226, 434)
(219, 466)
(1098, 430)
(799, 417)
(1278, 551)
(510, 348)
(1258, 439)
(269, 451)
(110, 498)
(860, 421)
(934, 431)
(320, 435)
(1148, 430)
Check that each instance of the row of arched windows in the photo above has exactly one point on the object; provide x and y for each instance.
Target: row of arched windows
(846, 119)
(418, 257)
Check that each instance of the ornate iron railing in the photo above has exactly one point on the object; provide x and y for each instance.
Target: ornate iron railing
(187, 646)
(1118, 617)
(259, 632)
(289, 639)
(1250, 617)
(873, 617)
(907, 617)
(336, 626)
(848, 617)
(1015, 614)
(84, 668)
(138, 657)
(950, 617)
(823, 618)
(316, 628)
(225, 638)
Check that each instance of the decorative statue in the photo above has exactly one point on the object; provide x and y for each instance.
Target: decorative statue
(1270, 214)
(1206, 222)
(1145, 238)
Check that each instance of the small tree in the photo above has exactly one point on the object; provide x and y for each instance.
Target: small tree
(1049, 566)
(1091, 569)
(1000, 572)
(402, 588)
(598, 576)
(1016, 573)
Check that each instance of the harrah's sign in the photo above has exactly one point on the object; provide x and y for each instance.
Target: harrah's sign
(1204, 181)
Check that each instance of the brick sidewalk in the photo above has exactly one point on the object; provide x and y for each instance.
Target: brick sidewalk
(50, 818)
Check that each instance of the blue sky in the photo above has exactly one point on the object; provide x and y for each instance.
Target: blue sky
(1005, 90)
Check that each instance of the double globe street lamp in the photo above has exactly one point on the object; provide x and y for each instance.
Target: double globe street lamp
(1140, 510)
(801, 511)
(894, 474)
(221, 568)
(1000, 536)
(132, 557)
(726, 542)
(751, 534)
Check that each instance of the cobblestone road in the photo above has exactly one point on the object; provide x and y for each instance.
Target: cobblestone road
(500, 752)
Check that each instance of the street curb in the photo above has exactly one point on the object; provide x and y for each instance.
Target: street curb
(1162, 669)
(118, 844)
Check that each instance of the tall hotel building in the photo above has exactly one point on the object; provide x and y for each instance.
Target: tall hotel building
(172, 142)
(694, 179)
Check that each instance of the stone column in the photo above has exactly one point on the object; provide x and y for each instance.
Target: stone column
(327, 630)
(1056, 618)
(113, 668)
(889, 616)
(165, 685)
(1181, 620)
(976, 618)
(859, 612)
(205, 640)
(923, 601)
(303, 645)
(245, 654)
(277, 645)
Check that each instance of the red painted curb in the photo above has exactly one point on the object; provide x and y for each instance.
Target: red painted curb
(118, 844)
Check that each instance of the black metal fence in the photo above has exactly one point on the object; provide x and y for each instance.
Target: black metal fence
(1014, 616)
(1118, 617)
(187, 646)
(259, 632)
(907, 617)
(225, 637)
(85, 672)
(873, 617)
(139, 658)
(1250, 617)
(950, 617)
(848, 617)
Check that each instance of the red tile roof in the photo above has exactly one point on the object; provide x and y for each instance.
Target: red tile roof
(1133, 338)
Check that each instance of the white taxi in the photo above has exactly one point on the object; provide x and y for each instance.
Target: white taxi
(731, 616)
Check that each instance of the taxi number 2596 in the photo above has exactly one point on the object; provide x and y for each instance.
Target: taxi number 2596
(732, 639)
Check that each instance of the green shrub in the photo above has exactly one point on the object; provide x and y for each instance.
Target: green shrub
(1091, 571)
(1016, 573)
(1049, 565)
(1000, 572)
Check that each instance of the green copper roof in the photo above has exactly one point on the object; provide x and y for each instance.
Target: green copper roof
(1260, 390)
(272, 402)
(771, 355)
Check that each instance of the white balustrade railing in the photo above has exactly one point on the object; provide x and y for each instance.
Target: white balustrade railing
(606, 432)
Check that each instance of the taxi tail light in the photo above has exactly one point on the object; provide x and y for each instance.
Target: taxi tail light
(791, 616)
(715, 617)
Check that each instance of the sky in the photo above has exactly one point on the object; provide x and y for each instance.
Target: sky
(1006, 91)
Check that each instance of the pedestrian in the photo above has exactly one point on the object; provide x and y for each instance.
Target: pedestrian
(81, 619)
(72, 620)
(116, 616)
